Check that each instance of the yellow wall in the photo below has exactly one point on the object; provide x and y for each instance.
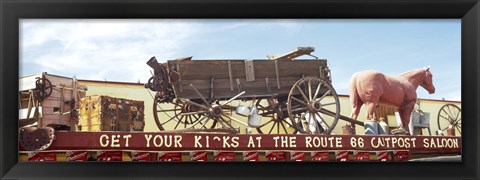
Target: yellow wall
(136, 91)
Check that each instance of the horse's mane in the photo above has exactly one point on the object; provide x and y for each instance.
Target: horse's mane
(411, 72)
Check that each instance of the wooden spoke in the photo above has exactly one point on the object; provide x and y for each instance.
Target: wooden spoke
(324, 95)
(317, 91)
(192, 113)
(323, 120)
(268, 122)
(310, 90)
(299, 101)
(200, 95)
(449, 114)
(283, 126)
(198, 122)
(178, 122)
(170, 119)
(270, 132)
(299, 109)
(303, 94)
(328, 104)
(196, 104)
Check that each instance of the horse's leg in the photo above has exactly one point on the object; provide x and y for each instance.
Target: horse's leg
(407, 113)
(371, 106)
(354, 98)
(356, 106)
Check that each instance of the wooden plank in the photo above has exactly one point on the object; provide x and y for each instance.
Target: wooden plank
(27, 82)
(55, 119)
(205, 69)
(22, 113)
(222, 88)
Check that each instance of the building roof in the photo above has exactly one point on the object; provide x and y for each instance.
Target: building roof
(142, 84)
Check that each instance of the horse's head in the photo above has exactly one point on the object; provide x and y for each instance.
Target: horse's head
(427, 82)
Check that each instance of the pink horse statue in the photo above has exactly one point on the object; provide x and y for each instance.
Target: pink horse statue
(373, 87)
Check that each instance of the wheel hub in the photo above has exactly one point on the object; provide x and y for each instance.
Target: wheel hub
(314, 106)
(215, 111)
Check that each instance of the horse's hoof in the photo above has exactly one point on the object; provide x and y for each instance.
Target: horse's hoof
(399, 132)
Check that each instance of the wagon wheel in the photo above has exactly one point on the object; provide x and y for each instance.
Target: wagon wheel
(173, 115)
(313, 106)
(195, 114)
(275, 114)
(43, 88)
(215, 112)
(450, 115)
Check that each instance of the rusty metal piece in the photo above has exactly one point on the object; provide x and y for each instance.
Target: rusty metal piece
(36, 139)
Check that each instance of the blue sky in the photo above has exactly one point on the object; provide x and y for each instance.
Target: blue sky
(117, 50)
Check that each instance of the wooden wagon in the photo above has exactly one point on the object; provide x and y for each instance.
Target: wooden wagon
(279, 95)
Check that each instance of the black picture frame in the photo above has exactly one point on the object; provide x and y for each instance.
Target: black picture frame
(466, 10)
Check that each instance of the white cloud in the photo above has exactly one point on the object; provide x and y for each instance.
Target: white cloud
(98, 49)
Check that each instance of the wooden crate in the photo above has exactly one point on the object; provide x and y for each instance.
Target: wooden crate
(55, 109)
(104, 113)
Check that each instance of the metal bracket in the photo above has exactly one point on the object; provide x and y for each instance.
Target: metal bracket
(267, 83)
(211, 88)
(230, 75)
(239, 87)
(179, 78)
(277, 74)
(249, 70)
(322, 73)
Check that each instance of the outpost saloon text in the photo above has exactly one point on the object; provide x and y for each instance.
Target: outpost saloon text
(259, 142)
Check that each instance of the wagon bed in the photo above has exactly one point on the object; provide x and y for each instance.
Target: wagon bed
(223, 79)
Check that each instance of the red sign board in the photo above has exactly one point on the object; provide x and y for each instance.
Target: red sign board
(401, 155)
(297, 156)
(140, 156)
(361, 155)
(341, 155)
(250, 156)
(275, 155)
(42, 156)
(320, 156)
(169, 156)
(199, 156)
(382, 156)
(223, 156)
(76, 155)
(109, 156)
